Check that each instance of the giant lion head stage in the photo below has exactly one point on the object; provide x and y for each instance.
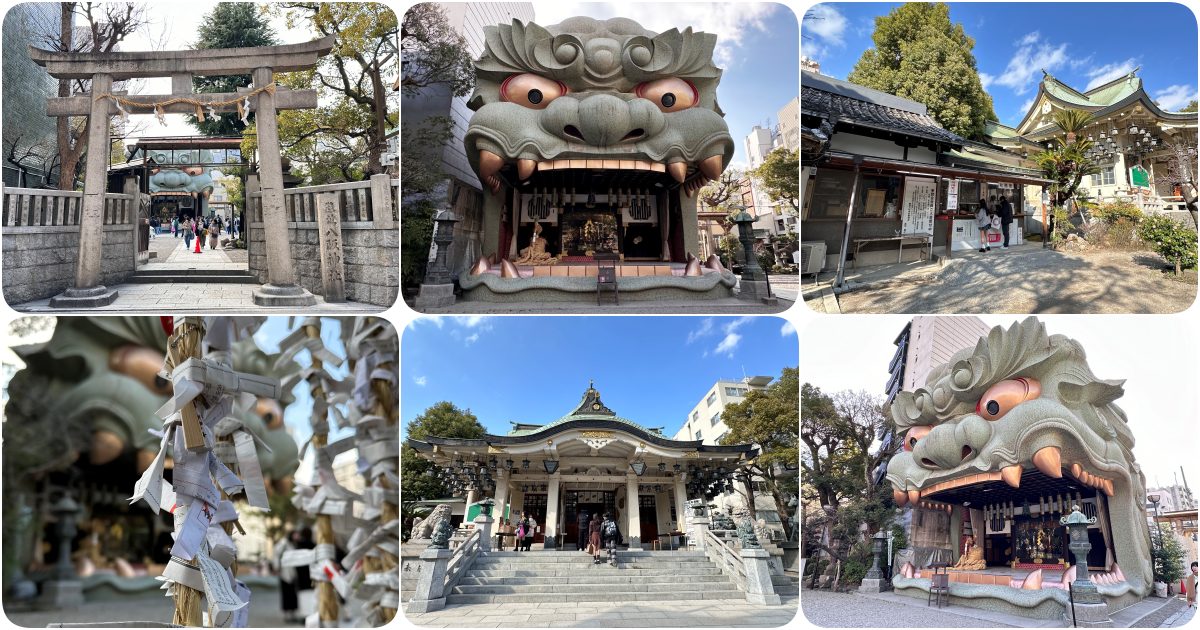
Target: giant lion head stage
(594, 136)
(1007, 437)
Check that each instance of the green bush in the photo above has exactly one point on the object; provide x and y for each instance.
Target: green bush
(416, 234)
(1168, 556)
(1062, 224)
(1172, 240)
(766, 259)
(899, 540)
(1118, 212)
(853, 572)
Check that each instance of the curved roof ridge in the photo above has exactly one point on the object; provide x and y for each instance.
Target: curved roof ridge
(1124, 77)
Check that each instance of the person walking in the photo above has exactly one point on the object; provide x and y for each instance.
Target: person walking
(594, 538)
(199, 232)
(186, 228)
(610, 534)
(530, 529)
(1191, 586)
(175, 227)
(983, 221)
(1006, 217)
(581, 539)
(214, 232)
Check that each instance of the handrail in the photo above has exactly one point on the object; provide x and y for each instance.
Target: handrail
(463, 558)
(730, 562)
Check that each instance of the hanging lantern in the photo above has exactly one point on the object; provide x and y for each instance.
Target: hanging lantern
(662, 467)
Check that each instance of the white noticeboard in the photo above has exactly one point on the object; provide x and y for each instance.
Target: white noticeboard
(952, 195)
(920, 196)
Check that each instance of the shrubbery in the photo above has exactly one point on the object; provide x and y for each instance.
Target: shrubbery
(1118, 212)
(1170, 239)
(416, 234)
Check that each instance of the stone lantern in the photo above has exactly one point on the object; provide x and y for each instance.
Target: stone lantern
(875, 581)
(438, 288)
(1089, 609)
(753, 284)
(64, 590)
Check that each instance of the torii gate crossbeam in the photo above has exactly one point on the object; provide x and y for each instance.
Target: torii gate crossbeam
(103, 68)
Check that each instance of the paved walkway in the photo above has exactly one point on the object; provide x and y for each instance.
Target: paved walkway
(672, 614)
(142, 606)
(1024, 279)
(670, 307)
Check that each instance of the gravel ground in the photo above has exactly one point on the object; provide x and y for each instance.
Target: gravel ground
(1036, 280)
(841, 610)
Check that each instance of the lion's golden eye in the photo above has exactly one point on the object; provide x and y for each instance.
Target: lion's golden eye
(1000, 398)
(670, 95)
(531, 90)
(141, 364)
(914, 435)
(269, 410)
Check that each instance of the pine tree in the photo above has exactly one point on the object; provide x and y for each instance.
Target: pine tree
(229, 25)
(921, 55)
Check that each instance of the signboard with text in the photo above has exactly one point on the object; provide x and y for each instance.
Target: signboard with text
(1139, 177)
(920, 196)
(952, 196)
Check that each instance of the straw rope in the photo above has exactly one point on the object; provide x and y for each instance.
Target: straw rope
(157, 106)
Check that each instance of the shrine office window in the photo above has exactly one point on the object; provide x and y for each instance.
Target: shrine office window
(1105, 177)
(712, 398)
(878, 196)
(831, 194)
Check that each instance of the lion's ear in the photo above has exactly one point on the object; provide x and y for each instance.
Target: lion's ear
(1099, 392)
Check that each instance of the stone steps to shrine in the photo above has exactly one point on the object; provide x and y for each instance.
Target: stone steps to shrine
(193, 276)
(556, 576)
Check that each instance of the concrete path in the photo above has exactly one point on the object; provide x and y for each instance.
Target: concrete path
(162, 299)
(141, 606)
(667, 614)
(1024, 279)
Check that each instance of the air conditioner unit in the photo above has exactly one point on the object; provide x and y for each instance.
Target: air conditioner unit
(812, 257)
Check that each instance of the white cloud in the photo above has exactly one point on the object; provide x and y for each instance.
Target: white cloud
(473, 321)
(1033, 55)
(788, 329)
(1025, 107)
(736, 324)
(421, 381)
(732, 22)
(827, 23)
(705, 329)
(1175, 97)
(1109, 71)
(728, 345)
(472, 338)
(986, 79)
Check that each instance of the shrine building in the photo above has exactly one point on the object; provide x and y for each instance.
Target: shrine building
(590, 460)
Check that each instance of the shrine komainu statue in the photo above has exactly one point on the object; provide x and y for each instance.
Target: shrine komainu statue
(425, 528)
(1025, 404)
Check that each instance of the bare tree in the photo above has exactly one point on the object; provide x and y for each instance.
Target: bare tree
(1181, 172)
(727, 186)
(105, 25)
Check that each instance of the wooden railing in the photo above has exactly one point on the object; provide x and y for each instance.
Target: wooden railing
(464, 556)
(725, 557)
(37, 207)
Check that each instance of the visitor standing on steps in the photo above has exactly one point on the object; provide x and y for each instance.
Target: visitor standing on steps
(519, 539)
(594, 538)
(581, 538)
(611, 534)
(530, 529)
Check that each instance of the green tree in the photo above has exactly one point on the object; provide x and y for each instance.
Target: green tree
(1168, 557)
(433, 53)
(443, 419)
(921, 55)
(359, 74)
(421, 176)
(228, 25)
(769, 418)
(1191, 107)
(1170, 239)
(780, 176)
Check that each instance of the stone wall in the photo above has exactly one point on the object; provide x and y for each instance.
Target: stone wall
(39, 262)
(369, 230)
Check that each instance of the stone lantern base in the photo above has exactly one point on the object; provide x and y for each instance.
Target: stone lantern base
(435, 296)
(874, 585)
(61, 594)
(755, 290)
(1089, 615)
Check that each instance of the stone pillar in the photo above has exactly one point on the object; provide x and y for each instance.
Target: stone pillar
(680, 500)
(88, 292)
(691, 236)
(383, 206)
(130, 187)
(484, 525)
(472, 497)
(551, 525)
(430, 594)
(633, 531)
(329, 232)
(699, 527)
(501, 493)
(493, 208)
(281, 288)
(759, 588)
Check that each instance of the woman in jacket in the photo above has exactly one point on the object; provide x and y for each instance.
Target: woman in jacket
(983, 221)
(594, 538)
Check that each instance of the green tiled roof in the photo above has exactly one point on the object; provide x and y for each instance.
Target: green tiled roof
(1102, 96)
(997, 130)
(589, 408)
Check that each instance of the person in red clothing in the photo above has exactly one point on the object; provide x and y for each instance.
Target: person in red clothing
(594, 538)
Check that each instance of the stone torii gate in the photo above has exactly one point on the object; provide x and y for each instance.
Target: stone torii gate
(105, 68)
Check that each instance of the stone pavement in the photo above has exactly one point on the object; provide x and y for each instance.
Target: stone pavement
(670, 307)
(668, 614)
(142, 606)
(1023, 279)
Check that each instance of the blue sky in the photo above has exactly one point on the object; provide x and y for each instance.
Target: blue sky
(756, 44)
(651, 370)
(1082, 44)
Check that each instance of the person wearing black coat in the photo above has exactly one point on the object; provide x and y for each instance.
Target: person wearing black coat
(1006, 218)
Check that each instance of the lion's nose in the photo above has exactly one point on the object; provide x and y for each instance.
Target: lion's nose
(603, 120)
(942, 449)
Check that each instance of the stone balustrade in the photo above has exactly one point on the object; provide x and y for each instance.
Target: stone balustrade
(748, 569)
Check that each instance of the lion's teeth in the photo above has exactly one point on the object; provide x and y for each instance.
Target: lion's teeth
(678, 171)
(1011, 475)
(489, 163)
(1049, 461)
(525, 168)
(711, 167)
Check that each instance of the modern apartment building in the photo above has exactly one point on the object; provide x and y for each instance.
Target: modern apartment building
(704, 420)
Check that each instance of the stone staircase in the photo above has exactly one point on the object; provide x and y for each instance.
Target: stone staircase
(193, 276)
(786, 585)
(570, 576)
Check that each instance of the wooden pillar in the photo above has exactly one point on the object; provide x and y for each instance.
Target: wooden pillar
(281, 288)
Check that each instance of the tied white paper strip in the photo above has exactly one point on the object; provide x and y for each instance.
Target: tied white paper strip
(299, 340)
(220, 545)
(177, 571)
(387, 531)
(255, 487)
(330, 572)
(191, 477)
(221, 332)
(242, 616)
(191, 527)
(218, 589)
(149, 486)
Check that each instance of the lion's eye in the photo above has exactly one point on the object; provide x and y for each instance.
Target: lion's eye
(531, 90)
(914, 435)
(142, 364)
(671, 95)
(1000, 398)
